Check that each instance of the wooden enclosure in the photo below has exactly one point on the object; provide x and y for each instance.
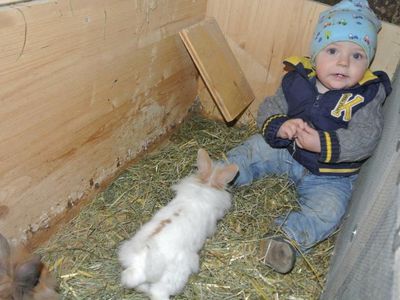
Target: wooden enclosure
(86, 86)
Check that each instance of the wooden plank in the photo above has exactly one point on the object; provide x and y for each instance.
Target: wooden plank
(261, 33)
(218, 67)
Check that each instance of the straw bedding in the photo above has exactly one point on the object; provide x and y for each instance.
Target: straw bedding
(83, 254)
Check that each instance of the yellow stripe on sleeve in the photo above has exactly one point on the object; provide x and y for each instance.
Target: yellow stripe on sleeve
(328, 147)
(268, 121)
(326, 170)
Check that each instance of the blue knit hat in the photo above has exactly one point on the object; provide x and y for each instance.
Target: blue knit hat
(349, 20)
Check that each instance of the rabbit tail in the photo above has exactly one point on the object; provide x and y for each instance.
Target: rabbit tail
(141, 265)
(134, 263)
(134, 274)
(173, 276)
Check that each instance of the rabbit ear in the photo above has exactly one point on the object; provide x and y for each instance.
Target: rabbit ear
(27, 275)
(4, 256)
(204, 165)
(223, 175)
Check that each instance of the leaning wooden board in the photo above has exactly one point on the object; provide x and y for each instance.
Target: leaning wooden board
(218, 67)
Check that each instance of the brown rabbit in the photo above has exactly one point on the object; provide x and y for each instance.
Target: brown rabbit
(24, 276)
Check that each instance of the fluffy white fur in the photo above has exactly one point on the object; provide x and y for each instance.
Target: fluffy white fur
(161, 256)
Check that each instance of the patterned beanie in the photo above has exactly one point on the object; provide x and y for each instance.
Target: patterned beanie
(349, 20)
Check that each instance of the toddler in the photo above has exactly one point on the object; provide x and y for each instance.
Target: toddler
(322, 124)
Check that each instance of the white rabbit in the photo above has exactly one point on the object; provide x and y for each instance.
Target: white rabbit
(161, 256)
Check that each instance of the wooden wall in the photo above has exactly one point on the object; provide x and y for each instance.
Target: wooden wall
(84, 87)
(262, 33)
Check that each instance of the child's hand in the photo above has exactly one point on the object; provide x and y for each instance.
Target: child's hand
(289, 129)
(308, 139)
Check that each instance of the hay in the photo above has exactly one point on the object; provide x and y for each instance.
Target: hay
(83, 254)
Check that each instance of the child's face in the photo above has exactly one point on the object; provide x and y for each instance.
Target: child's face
(340, 65)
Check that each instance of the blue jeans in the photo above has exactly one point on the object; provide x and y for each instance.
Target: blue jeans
(322, 199)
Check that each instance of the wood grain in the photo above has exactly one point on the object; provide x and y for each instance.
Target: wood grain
(85, 86)
(218, 67)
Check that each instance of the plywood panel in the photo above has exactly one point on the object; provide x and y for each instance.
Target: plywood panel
(262, 33)
(84, 87)
(218, 67)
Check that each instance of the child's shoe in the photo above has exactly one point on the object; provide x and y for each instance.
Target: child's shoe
(278, 254)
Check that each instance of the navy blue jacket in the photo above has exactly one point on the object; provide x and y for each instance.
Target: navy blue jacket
(324, 112)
